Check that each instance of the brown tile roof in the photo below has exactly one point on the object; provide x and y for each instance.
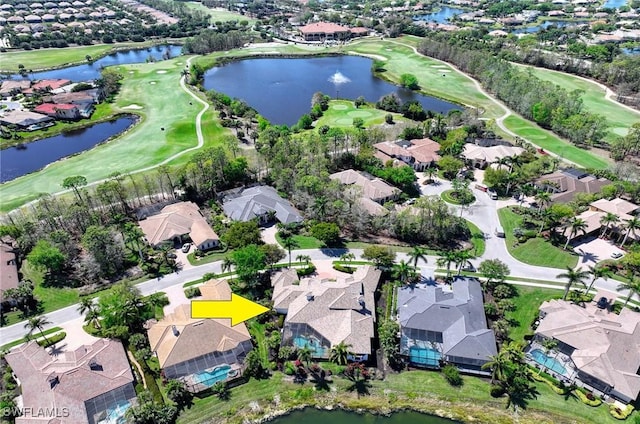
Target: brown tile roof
(374, 189)
(196, 337)
(620, 207)
(490, 154)
(176, 220)
(323, 27)
(14, 85)
(77, 382)
(568, 185)
(607, 346)
(422, 150)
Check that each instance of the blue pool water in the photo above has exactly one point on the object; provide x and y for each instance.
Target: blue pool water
(551, 363)
(209, 378)
(115, 414)
(313, 344)
(424, 356)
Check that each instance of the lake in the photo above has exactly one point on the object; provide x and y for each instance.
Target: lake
(281, 89)
(442, 16)
(315, 416)
(614, 4)
(545, 25)
(91, 71)
(15, 162)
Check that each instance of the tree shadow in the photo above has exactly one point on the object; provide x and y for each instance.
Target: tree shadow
(361, 387)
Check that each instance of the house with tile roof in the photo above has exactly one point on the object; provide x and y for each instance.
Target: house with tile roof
(596, 348)
(323, 31)
(369, 187)
(481, 156)
(177, 222)
(621, 208)
(199, 351)
(419, 154)
(445, 324)
(321, 313)
(13, 87)
(564, 184)
(260, 202)
(92, 384)
(26, 120)
(58, 110)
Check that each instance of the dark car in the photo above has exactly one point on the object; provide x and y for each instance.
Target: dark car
(603, 302)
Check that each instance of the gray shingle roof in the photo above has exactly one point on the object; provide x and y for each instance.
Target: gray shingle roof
(257, 201)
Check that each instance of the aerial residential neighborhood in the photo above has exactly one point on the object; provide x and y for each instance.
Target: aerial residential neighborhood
(298, 211)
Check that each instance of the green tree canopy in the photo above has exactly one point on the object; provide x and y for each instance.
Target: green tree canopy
(46, 256)
(241, 234)
(326, 232)
(249, 260)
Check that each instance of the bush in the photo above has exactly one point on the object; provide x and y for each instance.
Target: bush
(452, 375)
(326, 232)
(497, 391)
(302, 272)
(344, 268)
(192, 292)
(620, 414)
(50, 341)
(587, 398)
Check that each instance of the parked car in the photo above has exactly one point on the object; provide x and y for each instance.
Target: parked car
(186, 247)
(469, 268)
(616, 255)
(171, 255)
(603, 302)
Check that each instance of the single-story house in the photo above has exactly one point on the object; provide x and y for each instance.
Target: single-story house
(12, 87)
(200, 352)
(420, 154)
(564, 184)
(92, 384)
(26, 120)
(58, 110)
(9, 278)
(260, 202)
(93, 95)
(176, 222)
(441, 324)
(596, 348)
(47, 85)
(322, 31)
(623, 209)
(322, 313)
(372, 188)
(480, 156)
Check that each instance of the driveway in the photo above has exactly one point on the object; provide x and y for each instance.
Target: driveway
(594, 250)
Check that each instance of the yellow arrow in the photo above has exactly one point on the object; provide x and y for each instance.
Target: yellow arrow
(238, 309)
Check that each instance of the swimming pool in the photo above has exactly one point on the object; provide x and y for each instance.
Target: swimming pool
(547, 361)
(424, 356)
(116, 413)
(209, 378)
(312, 343)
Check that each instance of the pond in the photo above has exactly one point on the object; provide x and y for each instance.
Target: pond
(16, 162)
(545, 25)
(314, 416)
(281, 89)
(614, 4)
(91, 71)
(442, 16)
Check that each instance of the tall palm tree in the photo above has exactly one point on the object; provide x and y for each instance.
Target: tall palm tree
(86, 304)
(598, 272)
(289, 243)
(499, 365)
(631, 225)
(576, 225)
(543, 198)
(448, 257)
(573, 276)
(303, 258)
(227, 264)
(339, 353)
(37, 323)
(347, 257)
(304, 355)
(633, 286)
(607, 221)
(403, 271)
(461, 259)
(416, 254)
(93, 318)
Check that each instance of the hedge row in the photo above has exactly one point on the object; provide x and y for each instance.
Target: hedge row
(50, 341)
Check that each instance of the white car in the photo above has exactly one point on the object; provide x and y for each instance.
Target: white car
(616, 255)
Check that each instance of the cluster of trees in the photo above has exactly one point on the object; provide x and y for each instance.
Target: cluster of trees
(540, 101)
(210, 40)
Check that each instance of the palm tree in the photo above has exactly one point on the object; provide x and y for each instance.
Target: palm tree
(320, 207)
(499, 365)
(89, 309)
(607, 221)
(416, 254)
(461, 259)
(339, 353)
(403, 271)
(633, 286)
(304, 355)
(543, 198)
(448, 257)
(303, 258)
(430, 172)
(93, 318)
(631, 225)
(347, 257)
(227, 264)
(601, 272)
(289, 243)
(573, 276)
(576, 225)
(37, 323)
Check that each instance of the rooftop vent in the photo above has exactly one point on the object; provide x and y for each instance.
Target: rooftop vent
(54, 381)
(310, 297)
(361, 301)
(94, 365)
(175, 331)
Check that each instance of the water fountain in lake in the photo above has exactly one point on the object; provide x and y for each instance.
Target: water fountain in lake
(337, 79)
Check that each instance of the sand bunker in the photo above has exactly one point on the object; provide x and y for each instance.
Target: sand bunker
(133, 106)
(444, 70)
(152, 82)
(162, 72)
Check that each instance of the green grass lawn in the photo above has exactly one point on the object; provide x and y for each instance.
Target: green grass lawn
(303, 242)
(36, 334)
(257, 331)
(341, 113)
(219, 14)
(477, 239)
(535, 251)
(527, 303)
(547, 141)
(618, 118)
(51, 298)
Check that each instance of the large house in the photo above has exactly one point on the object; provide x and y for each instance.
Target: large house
(92, 384)
(323, 31)
(419, 154)
(58, 110)
(481, 156)
(12, 87)
(595, 347)
(176, 222)
(322, 313)
(372, 189)
(623, 209)
(25, 120)
(440, 324)
(260, 202)
(565, 184)
(200, 352)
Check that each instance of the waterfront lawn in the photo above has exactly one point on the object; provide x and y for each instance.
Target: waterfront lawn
(50, 58)
(535, 251)
(527, 303)
(547, 141)
(618, 117)
(341, 113)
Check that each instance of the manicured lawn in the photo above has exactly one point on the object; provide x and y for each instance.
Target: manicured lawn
(448, 197)
(257, 331)
(535, 251)
(547, 141)
(477, 239)
(618, 118)
(303, 242)
(341, 113)
(527, 303)
(51, 298)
